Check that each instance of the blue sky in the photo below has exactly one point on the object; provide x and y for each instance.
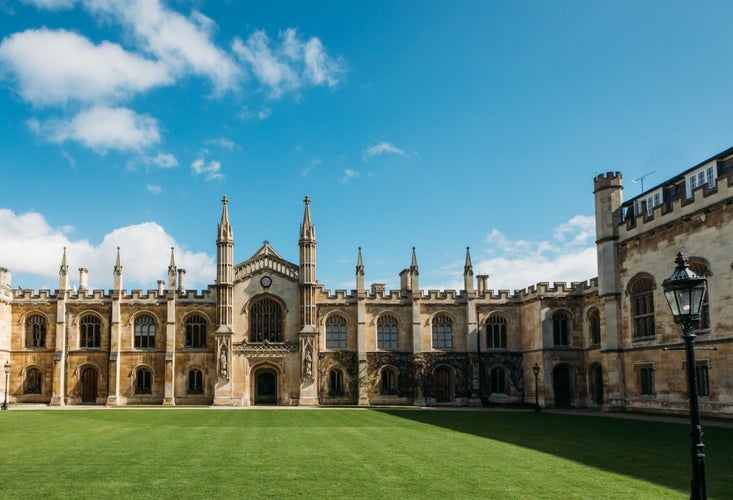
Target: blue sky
(432, 124)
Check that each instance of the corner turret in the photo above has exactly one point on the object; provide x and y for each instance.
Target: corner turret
(468, 273)
(117, 272)
(359, 273)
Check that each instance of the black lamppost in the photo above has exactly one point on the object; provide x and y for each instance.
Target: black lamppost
(685, 293)
(536, 371)
(7, 376)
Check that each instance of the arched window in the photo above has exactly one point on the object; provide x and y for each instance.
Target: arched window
(90, 328)
(143, 377)
(32, 381)
(496, 332)
(145, 332)
(387, 332)
(497, 380)
(195, 381)
(35, 331)
(265, 322)
(196, 331)
(642, 307)
(336, 332)
(335, 382)
(389, 381)
(594, 326)
(442, 332)
(560, 328)
(701, 268)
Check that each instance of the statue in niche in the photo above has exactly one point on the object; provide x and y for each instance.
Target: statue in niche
(308, 361)
(223, 360)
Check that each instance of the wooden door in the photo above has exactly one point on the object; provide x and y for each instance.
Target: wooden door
(89, 385)
(442, 385)
(563, 390)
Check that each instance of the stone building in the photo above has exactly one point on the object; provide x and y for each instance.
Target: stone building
(266, 331)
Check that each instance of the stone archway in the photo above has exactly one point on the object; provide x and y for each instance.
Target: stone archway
(596, 383)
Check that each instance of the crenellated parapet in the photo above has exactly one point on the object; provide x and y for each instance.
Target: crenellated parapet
(607, 180)
(698, 189)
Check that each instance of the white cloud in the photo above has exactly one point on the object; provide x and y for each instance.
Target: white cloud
(222, 142)
(182, 44)
(306, 170)
(102, 129)
(53, 67)
(30, 247)
(288, 64)
(211, 171)
(164, 160)
(154, 190)
(516, 264)
(348, 175)
(382, 148)
(51, 4)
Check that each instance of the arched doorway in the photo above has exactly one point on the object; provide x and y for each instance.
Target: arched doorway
(442, 385)
(89, 377)
(596, 384)
(562, 386)
(266, 387)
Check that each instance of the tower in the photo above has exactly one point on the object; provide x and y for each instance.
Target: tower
(308, 333)
(608, 199)
(224, 299)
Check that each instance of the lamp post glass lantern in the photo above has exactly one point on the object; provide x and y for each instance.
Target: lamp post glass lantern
(685, 293)
(6, 367)
(536, 371)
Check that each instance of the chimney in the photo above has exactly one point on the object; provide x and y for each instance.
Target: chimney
(161, 287)
(182, 281)
(83, 279)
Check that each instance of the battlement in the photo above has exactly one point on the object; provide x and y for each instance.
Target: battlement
(678, 199)
(609, 179)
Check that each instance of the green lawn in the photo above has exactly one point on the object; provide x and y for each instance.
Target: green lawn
(207, 453)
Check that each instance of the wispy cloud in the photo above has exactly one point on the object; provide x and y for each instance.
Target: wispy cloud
(211, 170)
(222, 142)
(348, 175)
(311, 165)
(382, 148)
(289, 63)
(154, 190)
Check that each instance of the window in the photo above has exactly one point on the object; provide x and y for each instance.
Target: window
(646, 380)
(336, 332)
(389, 381)
(700, 267)
(497, 381)
(196, 331)
(335, 382)
(642, 305)
(90, 328)
(703, 384)
(195, 381)
(265, 322)
(496, 332)
(145, 332)
(442, 332)
(142, 381)
(387, 332)
(35, 331)
(594, 326)
(697, 179)
(560, 328)
(32, 381)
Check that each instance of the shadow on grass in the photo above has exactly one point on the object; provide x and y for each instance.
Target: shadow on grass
(651, 451)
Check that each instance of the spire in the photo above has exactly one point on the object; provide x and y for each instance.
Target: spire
(468, 268)
(307, 230)
(413, 264)
(468, 273)
(359, 265)
(64, 273)
(359, 273)
(117, 272)
(224, 229)
(172, 272)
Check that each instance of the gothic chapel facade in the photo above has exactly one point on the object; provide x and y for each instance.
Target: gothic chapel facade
(266, 332)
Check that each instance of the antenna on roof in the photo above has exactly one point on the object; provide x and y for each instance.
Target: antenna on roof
(641, 179)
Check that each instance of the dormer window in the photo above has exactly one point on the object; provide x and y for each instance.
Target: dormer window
(706, 175)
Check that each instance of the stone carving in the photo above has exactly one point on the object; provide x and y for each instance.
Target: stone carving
(308, 358)
(223, 360)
